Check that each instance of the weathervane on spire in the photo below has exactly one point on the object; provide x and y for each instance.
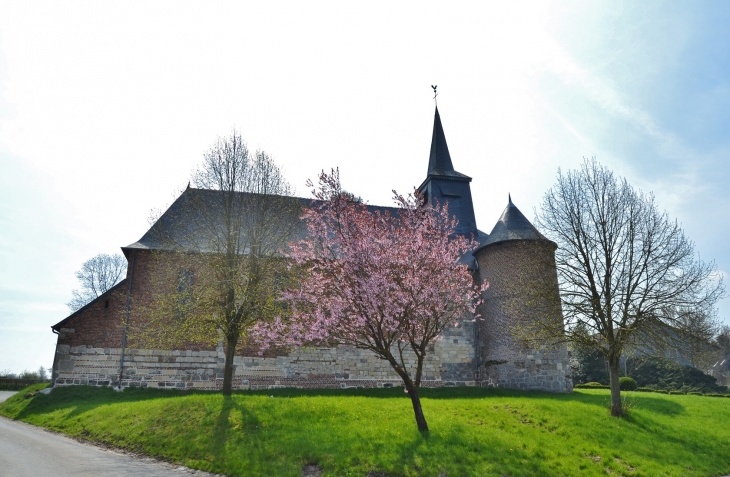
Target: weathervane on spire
(435, 93)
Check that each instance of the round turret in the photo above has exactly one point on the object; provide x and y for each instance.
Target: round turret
(519, 264)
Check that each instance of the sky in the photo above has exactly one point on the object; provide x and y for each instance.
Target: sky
(106, 107)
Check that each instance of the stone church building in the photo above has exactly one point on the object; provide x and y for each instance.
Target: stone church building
(514, 258)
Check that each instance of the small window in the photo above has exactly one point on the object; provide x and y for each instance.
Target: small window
(451, 190)
(183, 303)
(106, 304)
(184, 281)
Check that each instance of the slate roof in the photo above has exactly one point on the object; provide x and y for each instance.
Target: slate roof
(176, 230)
(439, 161)
(512, 225)
(179, 227)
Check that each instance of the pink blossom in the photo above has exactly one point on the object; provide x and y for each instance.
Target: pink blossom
(388, 282)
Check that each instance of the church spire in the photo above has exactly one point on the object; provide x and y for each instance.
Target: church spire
(445, 185)
(439, 162)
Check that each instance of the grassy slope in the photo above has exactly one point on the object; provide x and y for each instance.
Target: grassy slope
(350, 432)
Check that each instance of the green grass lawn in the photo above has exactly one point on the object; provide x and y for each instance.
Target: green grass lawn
(480, 432)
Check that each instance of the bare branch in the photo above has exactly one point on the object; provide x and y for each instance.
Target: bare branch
(97, 276)
(627, 273)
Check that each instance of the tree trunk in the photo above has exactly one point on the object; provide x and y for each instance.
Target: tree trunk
(614, 371)
(228, 366)
(417, 410)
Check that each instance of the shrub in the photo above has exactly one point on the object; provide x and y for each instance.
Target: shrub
(588, 365)
(695, 393)
(676, 392)
(646, 390)
(627, 384)
(665, 374)
(593, 383)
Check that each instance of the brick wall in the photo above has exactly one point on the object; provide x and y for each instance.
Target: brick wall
(100, 322)
(523, 288)
(89, 347)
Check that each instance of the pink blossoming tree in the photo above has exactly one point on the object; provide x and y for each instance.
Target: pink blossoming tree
(381, 281)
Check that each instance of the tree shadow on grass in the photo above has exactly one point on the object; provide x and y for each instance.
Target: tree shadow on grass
(655, 404)
(224, 429)
(81, 399)
(227, 430)
(424, 455)
(228, 421)
(644, 401)
(84, 398)
(678, 443)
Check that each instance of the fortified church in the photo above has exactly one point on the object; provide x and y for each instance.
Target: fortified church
(516, 260)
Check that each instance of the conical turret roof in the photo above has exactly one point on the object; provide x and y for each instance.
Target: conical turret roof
(512, 225)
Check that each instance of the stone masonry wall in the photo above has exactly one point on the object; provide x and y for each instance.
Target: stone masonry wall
(449, 363)
(523, 288)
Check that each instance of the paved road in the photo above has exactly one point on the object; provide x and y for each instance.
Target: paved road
(5, 394)
(29, 451)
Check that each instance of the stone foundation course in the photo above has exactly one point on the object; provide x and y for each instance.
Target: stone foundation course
(450, 363)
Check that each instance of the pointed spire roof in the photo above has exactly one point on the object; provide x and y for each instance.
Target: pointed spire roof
(440, 159)
(439, 162)
(512, 225)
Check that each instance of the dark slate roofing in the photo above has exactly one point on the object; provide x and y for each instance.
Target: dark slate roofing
(174, 230)
(179, 228)
(439, 162)
(104, 295)
(512, 225)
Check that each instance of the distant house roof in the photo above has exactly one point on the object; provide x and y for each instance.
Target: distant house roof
(722, 365)
(512, 225)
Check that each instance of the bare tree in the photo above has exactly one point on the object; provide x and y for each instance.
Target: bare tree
(97, 276)
(235, 226)
(42, 374)
(627, 272)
